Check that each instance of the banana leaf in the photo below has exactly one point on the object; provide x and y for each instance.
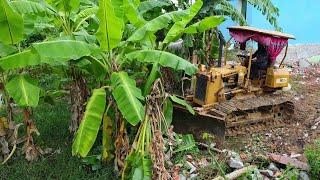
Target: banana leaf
(31, 7)
(146, 6)
(127, 97)
(47, 52)
(156, 24)
(177, 29)
(133, 14)
(90, 124)
(111, 26)
(183, 103)
(164, 59)
(24, 90)
(83, 16)
(11, 24)
(205, 24)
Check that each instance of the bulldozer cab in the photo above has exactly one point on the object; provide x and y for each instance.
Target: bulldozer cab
(263, 70)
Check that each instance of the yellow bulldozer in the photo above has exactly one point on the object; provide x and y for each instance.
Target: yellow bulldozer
(241, 97)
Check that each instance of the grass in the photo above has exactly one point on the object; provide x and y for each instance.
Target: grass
(52, 123)
(312, 153)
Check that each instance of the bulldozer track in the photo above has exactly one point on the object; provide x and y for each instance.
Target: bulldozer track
(245, 116)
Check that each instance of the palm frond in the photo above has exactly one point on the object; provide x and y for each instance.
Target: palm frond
(225, 8)
(268, 9)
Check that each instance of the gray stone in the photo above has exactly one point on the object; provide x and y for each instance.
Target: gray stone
(193, 176)
(273, 167)
(191, 167)
(267, 172)
(182, 177)
(303, 176)
(235, 163)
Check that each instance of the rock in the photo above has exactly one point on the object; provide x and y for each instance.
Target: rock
(182, 177)
(313, 127)
(191, 167)
(235, 163)
(303, 176)
(273, 167)
(203, 162)
(189, 157)
(294, 155)
(267, 172)
(234, 160)
(193, 176)
(256, 175)
(288, 161)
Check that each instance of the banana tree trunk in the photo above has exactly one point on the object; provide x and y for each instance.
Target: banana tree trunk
(78, 93)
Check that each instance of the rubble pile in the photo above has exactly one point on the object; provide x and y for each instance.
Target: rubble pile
(264, 167)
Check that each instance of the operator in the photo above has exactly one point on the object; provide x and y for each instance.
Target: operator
(260, 60)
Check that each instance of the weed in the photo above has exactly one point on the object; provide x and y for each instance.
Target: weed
(312, 153)
(290, 173)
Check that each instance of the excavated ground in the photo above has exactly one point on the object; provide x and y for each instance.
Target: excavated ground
(302, 129)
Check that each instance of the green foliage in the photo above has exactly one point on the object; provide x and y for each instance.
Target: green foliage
(24, 90)
(63, 49)
(290, 173)
(155, 25)
(267, 8)
(94, 161)
(204, 24)
(133, 14)
(11, 24)
(164, 59)
(20, 60)
(185, 143)
(225, 8)
(31, 7)
(154, 74)
(47, 52)
(85, 14)
(168, 112)
(183, 103)
(177, 29)
(312, 153)
(146, 6)
(67, 6)
(140, 166)
(6, 50)
(128, 97)
(90, 124)
(110, 29)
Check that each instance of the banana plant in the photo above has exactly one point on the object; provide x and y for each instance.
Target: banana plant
(120, 89)
(74, 20)
(15, 60)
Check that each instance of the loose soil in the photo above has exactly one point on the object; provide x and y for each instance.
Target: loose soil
(299, 131)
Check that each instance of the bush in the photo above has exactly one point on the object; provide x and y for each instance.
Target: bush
(312, 153)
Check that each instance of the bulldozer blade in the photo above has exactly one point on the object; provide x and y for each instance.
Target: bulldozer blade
(197, 124)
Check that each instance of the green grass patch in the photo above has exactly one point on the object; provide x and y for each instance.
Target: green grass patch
(52, 123)
(312, 153)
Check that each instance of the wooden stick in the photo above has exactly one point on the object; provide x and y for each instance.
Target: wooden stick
(207, 146)
(235, 174)
(249, 69)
